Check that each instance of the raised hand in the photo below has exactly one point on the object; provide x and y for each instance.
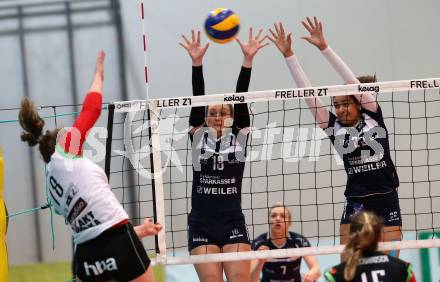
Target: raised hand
(99, 67)
(251, 48)
(98, 77)
(283, 42)
(316, 33)
(195, 50)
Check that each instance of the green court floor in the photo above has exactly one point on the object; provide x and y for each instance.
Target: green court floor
(53, 272)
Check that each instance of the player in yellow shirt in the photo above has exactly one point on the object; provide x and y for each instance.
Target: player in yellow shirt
(3, 227)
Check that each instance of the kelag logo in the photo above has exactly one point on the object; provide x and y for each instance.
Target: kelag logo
(368, 88)
(234, 98)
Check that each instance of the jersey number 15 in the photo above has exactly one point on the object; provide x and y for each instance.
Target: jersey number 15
(374, 276)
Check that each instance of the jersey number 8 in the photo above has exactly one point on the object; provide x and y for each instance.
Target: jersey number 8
(56, 186)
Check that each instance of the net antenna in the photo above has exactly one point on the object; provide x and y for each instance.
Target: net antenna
(133, 148)
(262, 176)
(155, 156)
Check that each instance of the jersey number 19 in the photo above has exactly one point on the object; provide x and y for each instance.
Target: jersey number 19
(217, 162)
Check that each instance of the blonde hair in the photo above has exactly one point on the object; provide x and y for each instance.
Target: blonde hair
(365, 232)
(281, 205)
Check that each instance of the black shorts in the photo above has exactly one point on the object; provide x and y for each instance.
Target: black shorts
(216, 230)
(116, 254)
(384, 205)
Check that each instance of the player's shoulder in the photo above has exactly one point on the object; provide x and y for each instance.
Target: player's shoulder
(262, 237)
(295, 235)
(398, 262)
(260, 240)
(369, 115)
(334, 273)
(298, 239)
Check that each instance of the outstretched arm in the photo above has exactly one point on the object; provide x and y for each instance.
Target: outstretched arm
(72, 141)
(284, 45)
(257, 265)
(316, 38)
(256, 268)
(249, 49)
(314, 272)
(196, 52)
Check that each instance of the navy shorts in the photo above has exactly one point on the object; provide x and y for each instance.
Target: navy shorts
(116, 254)
(384, 205)
(216, 230)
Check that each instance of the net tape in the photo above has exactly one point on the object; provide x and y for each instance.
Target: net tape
(155, 105)
(279, 94)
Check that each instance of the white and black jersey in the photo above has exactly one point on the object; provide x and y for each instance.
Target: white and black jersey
(217, 179)
(365, 151)
(80, 192)
(281, 269)
(375, 267)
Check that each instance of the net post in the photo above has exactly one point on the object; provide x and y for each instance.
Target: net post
(157, 182)
(108, 142)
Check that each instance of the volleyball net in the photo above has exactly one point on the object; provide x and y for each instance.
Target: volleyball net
(289, 160)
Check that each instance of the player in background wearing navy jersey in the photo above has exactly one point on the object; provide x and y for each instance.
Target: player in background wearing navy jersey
(364, 262)
(219, 134)
(358, 133)
(282, 269)
(108, 247)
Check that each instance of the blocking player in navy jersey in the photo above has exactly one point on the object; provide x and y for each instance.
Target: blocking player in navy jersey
(358, 133)
(219, 135)
(279, 237)
(108, 247)
(364, 262)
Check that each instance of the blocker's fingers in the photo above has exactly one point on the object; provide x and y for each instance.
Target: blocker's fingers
(186, 39)
(259, 34)
(193, 35)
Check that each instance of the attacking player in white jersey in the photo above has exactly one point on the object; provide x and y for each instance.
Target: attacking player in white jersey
(80, 192)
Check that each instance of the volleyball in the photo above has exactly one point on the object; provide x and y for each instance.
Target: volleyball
(222, 25)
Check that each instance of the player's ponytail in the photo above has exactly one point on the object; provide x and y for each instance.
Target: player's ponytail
(32, 125)
(365, 232)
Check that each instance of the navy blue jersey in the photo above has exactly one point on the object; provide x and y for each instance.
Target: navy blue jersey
(365, 150)
(375, 267)
(217, 178)
(216, 188)
(282, 269)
